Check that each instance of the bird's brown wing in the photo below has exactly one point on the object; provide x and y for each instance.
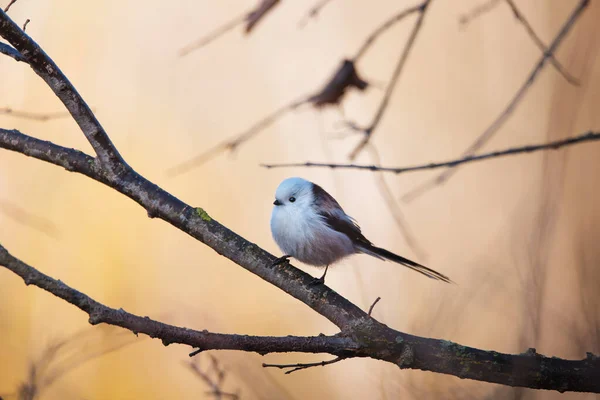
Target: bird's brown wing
(335, 217)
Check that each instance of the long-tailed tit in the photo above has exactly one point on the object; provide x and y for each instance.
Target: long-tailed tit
(309, 225)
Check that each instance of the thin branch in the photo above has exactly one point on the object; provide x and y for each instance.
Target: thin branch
(47, 69)
(373, 305)
(213, 378)
(490, 5)
(33, 115)
(477, 12)
(510, 108)
(9, 51)
(344, 78)
(217, 33)
(313, 12)
(396, 18)
(538, 42)
(27, 21)
(9, 5)
(298, 367)
(332, 92)
(368, 131)
(251, 18)
(233, 143)
(555, 145)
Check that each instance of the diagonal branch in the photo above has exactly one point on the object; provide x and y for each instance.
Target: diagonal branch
(368, 131)
(9, 51)
(586, 137)
(47, 69)
(35, 116)
(538, 42)
(486, 135)
(168, 334)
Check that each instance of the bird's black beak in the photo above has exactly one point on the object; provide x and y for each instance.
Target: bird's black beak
(277, 202)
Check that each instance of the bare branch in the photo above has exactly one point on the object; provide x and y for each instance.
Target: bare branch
(9, 5)
(313, 12)
(510, 108)
(251, 18)
(344, 78)
(170, 334)
(477, 12)
(490, 5)
(586, 137)
(384, 27)
(217, 33)
(27, 21)
(213, 378)
(373, 305)
(538, 42)
(258, 14)
(298, 367)
(47, 69)
(33, 115)
(233, 143)
(368, 131)
(9, 51)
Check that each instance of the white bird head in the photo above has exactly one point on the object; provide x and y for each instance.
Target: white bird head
(294, 192)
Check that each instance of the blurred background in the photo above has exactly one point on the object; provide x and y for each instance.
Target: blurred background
(519, 235)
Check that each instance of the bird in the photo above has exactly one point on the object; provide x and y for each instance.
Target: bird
(308, 224)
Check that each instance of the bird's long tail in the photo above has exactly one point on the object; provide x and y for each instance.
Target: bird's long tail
(388, 255)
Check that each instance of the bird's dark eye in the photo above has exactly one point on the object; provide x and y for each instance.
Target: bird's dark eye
(292, 199)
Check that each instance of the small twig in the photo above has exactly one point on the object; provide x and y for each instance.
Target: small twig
(373, 305)
(477, 12)
(486, 135)
(33, 116)
(217, 33)
(368, 131)
(586, 137)
(384, 27)
(313, 12)
(9, 5)
(27, 21)
(298, 367)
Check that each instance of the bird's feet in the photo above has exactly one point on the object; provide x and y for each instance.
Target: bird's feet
(321, 280)
(283, 259)
(317, 281)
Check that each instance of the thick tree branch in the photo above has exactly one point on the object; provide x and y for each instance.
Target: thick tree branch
(168, 334)
(47, 69)
(558, 144)
(368, 339)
